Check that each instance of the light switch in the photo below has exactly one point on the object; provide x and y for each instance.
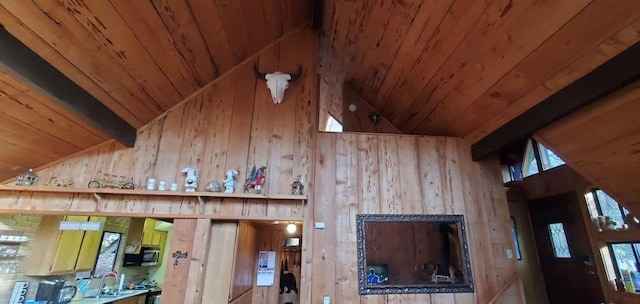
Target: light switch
(326, 299)
(320, 225)
(509, 254)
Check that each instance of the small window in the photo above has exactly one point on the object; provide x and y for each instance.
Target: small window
(626, 256)
(548, 158)
(601, 204)
(333, 125)
(529, 161)
(538, 158)
(559, 241)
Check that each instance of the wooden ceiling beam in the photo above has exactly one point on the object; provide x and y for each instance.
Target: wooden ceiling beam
(22, 63)
(614, 74)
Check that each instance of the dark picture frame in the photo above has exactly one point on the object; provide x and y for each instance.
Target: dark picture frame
(440, 284)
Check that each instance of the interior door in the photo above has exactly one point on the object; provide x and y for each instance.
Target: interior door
(563, 247)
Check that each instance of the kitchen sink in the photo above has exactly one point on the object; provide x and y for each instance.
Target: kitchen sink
(114, 295)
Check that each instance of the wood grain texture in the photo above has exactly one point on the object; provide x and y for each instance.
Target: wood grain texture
(606, 156)
(367, 173)
(246, 256)
(231, 125)
(224, 236)
(140, 58)
(463, 68)
(177, 278)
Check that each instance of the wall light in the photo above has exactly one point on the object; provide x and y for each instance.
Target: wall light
(291, 228)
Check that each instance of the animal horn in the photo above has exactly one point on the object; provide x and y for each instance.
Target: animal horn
(258, 73)
(297, 74)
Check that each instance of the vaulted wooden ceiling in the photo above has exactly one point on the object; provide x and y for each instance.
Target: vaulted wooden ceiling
(139, 58)
(437, 67)
(466, 67)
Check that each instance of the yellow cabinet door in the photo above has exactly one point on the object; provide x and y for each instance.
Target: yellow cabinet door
(68, 247)
(161, 238)
(147, 234)
(90, 246)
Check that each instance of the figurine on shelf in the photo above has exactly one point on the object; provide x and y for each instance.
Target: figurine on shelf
(631, 221)
(107, 180)
(229, 184)
(255, 180)
(29, 178)
(191, 181)
(297, 188)
(213, 186)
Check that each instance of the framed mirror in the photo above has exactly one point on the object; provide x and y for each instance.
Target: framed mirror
(412, 253)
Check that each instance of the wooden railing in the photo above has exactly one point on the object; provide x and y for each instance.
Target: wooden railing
(504, 288)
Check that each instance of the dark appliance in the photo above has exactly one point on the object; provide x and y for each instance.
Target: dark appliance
(148, 256)
(153, 297)
(55, 292)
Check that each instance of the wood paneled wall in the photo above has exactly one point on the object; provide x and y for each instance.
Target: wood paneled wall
(367, 173)
(529, 267)
(246, 255)
(360, 119)
(232, 123)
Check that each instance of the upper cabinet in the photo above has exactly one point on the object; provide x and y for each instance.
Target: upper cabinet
(90, 246)
(59, 252)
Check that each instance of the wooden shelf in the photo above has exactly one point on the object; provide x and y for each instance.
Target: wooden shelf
(625, 297)
(152, 193)
(609, 236)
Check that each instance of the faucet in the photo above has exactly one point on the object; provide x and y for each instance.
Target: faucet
(112, 273)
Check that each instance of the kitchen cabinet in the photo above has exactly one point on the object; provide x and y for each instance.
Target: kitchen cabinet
(90, 246)
(131, 300)
(147, 232)
(142, 233)
(58, 252)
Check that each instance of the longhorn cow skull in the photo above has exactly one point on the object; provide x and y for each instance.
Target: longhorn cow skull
(277, 82)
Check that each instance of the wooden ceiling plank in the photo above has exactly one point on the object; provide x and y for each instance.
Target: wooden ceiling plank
(563, 48)
(395, 32)
(624, 105)
(206, 15)
(62, 32)
(377, 20)
(230, 12)
(27, 36)
(607, 78)
(504, 38)
(69, 30)
(27, 108)
(295, 13)
(178, 18)
(272, 10)
(106, 26)
(417, 41)
(26, 136)
(460, 18)
(24, 65)
(147, 26)
(17, 155)
(596, 57)
(253, 15)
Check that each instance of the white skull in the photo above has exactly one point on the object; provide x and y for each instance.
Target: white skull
(277, 83)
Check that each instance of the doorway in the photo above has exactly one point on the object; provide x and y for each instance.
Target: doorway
(566, 260)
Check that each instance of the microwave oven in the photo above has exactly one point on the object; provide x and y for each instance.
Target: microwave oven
(148, 256)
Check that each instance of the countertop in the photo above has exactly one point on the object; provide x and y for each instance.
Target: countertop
(130, 293)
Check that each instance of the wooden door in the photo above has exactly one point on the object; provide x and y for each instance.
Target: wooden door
(569, 273)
